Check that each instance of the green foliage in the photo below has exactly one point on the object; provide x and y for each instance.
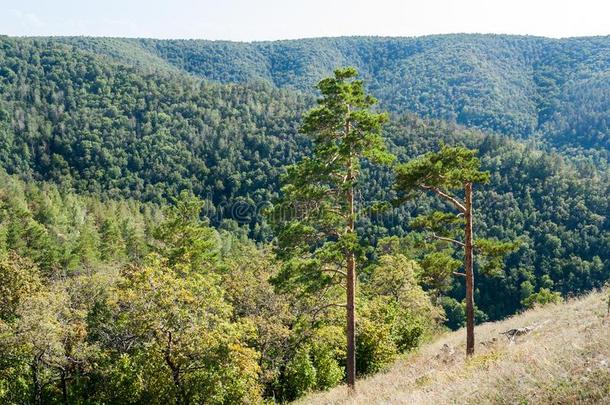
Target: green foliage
(50, 335)
(184, 323)
(492, 254)
(397, 311)
(318, 205)
(542, 297)
(96, 126)
(449, 174)
(315, 197)
(439, 222)
(77, 277)
(158, 331)
(78, 119)
(438, 268)
(447, 169)
(327, 352)
(518, 86)
(374, 346)
(112, 245)
(455, 312)
(60, 231)
(300, 374)
(184, 239)
(19, 280)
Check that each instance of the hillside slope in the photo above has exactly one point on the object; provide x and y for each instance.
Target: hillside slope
(519, 86)
(96, 126)
(565, 359)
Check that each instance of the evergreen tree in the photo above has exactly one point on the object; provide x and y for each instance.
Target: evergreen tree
(443, 173)
(318, 212)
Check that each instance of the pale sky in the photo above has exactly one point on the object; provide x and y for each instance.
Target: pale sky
(250, 20)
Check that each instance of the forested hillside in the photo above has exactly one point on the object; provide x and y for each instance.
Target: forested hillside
(73, 118)
(519, 86)
(133, 229)
(77, 120)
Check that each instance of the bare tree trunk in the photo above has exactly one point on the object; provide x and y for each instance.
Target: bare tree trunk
(351, 283)
(468, 264)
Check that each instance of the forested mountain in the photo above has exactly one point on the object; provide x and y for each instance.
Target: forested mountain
(104, 140)
(71, 117)
(557, 89)
(80, 121)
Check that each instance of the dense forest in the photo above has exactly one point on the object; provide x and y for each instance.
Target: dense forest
(137, 257)
(556, 90)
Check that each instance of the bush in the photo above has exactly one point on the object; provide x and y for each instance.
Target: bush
(300, 375)
(374, 346)
(543, 297)
(455, 312)
(407, 334)
(328, 352)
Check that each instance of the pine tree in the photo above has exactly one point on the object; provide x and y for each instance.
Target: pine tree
(445, 173)
(318, 211)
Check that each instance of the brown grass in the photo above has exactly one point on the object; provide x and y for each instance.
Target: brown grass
(564, 360)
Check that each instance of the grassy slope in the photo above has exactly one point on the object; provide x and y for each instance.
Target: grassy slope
(564, 360)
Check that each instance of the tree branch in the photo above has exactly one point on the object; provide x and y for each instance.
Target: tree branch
(327, 270)
(333, 159)
(323, 307)
(455, 273)
(456, 203)
(457, 242)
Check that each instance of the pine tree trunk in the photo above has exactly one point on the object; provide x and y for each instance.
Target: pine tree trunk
(351, 282)
(468, 264)
(351, 323)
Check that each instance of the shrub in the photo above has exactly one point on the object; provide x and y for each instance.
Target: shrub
(543, 297)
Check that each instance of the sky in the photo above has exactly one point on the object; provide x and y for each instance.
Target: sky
(255, 20)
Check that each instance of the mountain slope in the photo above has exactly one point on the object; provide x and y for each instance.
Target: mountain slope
(564, 359)
(519, 86)
(97, 126)
(70, 116)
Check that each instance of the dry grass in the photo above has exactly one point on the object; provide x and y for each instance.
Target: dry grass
(564, 360)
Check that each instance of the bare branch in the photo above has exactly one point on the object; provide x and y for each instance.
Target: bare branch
(333, 159)
(456, 203)
(457, 242)
(455, 273)
(329, 270)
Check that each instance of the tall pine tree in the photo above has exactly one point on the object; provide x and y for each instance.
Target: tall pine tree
(450, 174)
(318, 211)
